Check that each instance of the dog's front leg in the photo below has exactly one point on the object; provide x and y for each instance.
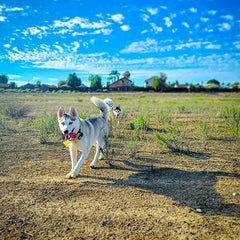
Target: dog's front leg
(73, 155)
(76, 169)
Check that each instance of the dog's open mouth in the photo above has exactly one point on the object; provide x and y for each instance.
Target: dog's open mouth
(71, 135)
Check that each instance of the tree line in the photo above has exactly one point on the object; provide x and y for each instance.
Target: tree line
(158, 82)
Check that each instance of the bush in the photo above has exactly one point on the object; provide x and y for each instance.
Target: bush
(46, 126)
(16, 110)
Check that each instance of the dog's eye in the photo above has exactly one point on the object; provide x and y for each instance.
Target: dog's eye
(70, 123)
(63, 123)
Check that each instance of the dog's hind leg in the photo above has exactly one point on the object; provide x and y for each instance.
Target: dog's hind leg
(92, 165)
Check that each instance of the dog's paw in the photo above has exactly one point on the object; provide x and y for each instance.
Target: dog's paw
(70, 175)
(92, 166)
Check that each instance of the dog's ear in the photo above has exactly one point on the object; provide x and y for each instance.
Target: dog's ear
(73, 112)
(119, 106)
(60, 112)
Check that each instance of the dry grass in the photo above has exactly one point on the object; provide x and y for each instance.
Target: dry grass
(160, 194)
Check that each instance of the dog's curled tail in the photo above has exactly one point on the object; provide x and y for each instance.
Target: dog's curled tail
(102, 106)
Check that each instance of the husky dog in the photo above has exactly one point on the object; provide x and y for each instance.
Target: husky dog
(116, 110)
(82, 134)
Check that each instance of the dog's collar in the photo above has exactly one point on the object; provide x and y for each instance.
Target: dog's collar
(79, 134)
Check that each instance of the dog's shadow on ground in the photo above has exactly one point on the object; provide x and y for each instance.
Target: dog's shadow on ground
(193, 189)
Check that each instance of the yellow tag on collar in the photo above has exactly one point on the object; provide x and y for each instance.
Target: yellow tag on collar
(66, 144)
(72, 140)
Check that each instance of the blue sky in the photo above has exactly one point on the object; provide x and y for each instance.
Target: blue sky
(190, 41)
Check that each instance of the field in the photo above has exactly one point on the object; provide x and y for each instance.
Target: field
(175, 170)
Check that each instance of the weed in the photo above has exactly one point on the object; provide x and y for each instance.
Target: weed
(202, 130)
(232, 117)
(163, 117)
(46, 126)
(181, 108)
(16, 110)
(131, 145)
(173, 137)
(141, 122)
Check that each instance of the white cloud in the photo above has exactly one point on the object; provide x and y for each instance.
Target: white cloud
(2, 19)
(106, 31)
(148, 46)
(76, 46)
(14, 9)
(7, 45)
(237, 44)
(208, 30)
(168, 22)
(185, 24)
(212, 12)
(12, 76)
(80, 22)
(145, 17)
(156, 29)
(188, 45)
(224, 27)
(227, 17)
(213, 46)
(117, 18)
(194, 10)
(125, 27)
(59, 48)
(152, 11)
(72, 26)
(144, 31)
(204, 19)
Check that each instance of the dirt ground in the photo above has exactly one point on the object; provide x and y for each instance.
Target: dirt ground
(158, 195)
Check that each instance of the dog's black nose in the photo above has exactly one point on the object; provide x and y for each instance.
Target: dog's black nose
(66, 131)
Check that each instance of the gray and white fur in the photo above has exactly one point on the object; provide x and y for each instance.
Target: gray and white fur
(116, 110)
(89, 132)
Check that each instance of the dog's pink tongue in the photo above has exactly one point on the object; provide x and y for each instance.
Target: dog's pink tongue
(72, 135)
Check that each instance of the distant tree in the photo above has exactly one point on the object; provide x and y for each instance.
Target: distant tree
(3, 78)
(38, 84)
(13, 85)
(214, 81)
(62, 82)
(127, 74)
(192, 87)
(114, 75)
(159, 82)
(73, 81)
(95, 81)
(235, 85)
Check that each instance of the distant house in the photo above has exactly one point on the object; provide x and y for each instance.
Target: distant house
(47, 87)
(148, 83)
(211, 85)
(64, 87)
(123, 84)
(182, 86)
(4, 85)
(28, 86)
